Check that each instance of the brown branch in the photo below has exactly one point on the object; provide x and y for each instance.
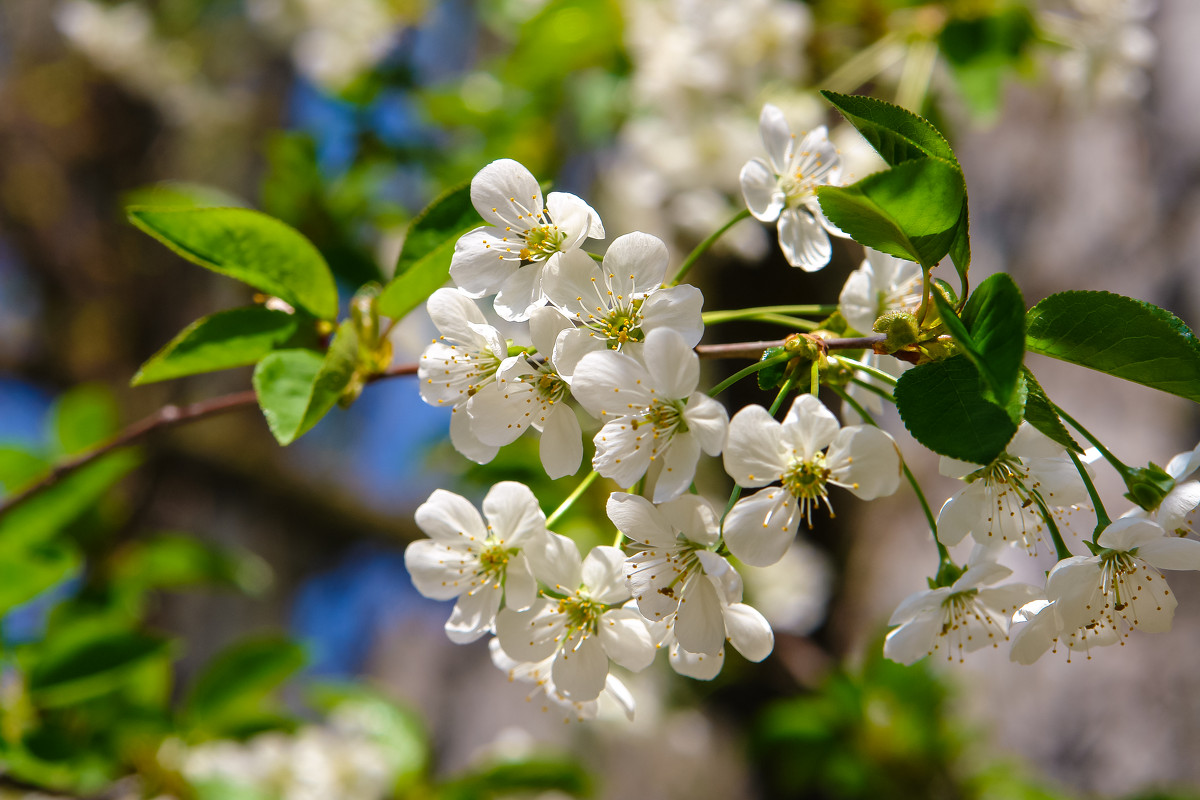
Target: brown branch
(166, 417)
(755, 349)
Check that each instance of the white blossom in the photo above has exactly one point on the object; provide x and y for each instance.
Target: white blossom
(653, 414)
(806, 454)
(783, 189)
(1122, 581)
(530, 393)
(997, 506)
(540, 674)
(507, 256)
(482, 564)
(582, 626)
(882, 283)
(1041, 629)
(618, 304)
(460, 362)
(678, 579)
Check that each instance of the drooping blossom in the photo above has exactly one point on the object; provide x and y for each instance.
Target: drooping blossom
(528, 393)
(783, 189)
(996, 506)
(617, 304)
(461, 361)
(961, 618)
(1039, 628)
(583, 627)
(806, 453)
(678, 579)
(506, 257)
(481, 565)
(652, 413)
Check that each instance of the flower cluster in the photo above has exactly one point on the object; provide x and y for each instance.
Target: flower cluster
(607, 345)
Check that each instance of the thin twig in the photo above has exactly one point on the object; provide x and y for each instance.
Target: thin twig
(755, 349)
(166, 417)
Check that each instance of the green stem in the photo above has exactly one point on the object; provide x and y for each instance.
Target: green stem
(858, 366)
(814, 385)
(571, 498)
(870, 387)
(1060, 547)
(943, 553)
(747, 371)
(714, 317)
(926, 288)
(1102, 518)
(703, 247)
(1117, 464)
(794, 323)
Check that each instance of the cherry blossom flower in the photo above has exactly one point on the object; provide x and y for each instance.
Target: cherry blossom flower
(529, 393)
(1042, 630)
(957, 619)
(882, 283)
(481, 565)
(806, 454)
(540, 675)
(653, 414)
(582, 626)
(783, 190)
(1122, 580)
(617, 305)
(460, 362)
(678, 579)
(508, 255)
(996, 504)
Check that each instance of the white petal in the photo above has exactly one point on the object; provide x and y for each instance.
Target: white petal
(529, 636)
(755, 453)
(776, 136)
(483, 261)
(520, 293)
(561, 447)
(616, 690)
(699, 666)
(913, 640)
(678, 308)
(958, 517)
(1034, 638)
(520, 587)
(1184, 464)
(575, 283)
(634, 264)
(1074, 587)
(700, 623)
(695, 517)
(604, 575)
(1029, 442)
(760, 189)
(450, 518)
(555, 561)
(917, 604)
(1169, 552)
(859, 300)
(864, 460)
(749, 631)
(465, 441)
(708, 420)
(513, 512)
(809, 426)
(609, 385)
(673, 366)
(474, 613)
(580, 669)
(1179, 502)
(453, 313)
(678, 468)
(1130, 532)
(573, 218)
(626, 639)
(622, 451)
(804, 242)
(436, 568)
(569, 349)
(545, 324)
(759, 528)
(500, 413)
(506, 193)
(635, 517)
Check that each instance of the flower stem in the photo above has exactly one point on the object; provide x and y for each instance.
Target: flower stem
(858, 366)
(571, 498)
(1060, 547)
(943, 553)
(703, 247)
(747, 371)
(714, 317)
(1102, 518)
(870, 387)
(1116, 463)
(795, 323)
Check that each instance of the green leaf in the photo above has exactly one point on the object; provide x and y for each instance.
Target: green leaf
(25, 574)
(248, 246)
(83, 417)
(223, 340)
(296, 388)
(181, 194)
(991, 333)
(911, 211)
(771, 377)
(424, 264)
(960, 248)
(983, 50)
(943, 407)
(1117, 335)
(176, 561)
(234, 685)
(1040, 413)
(897, 134)
(90, 666)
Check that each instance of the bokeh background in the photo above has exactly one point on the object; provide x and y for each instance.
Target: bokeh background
(1078, 127)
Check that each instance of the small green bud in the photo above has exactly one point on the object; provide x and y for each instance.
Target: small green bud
(803, 346)
(901, 328)
(1148, 486)
(947, 574)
